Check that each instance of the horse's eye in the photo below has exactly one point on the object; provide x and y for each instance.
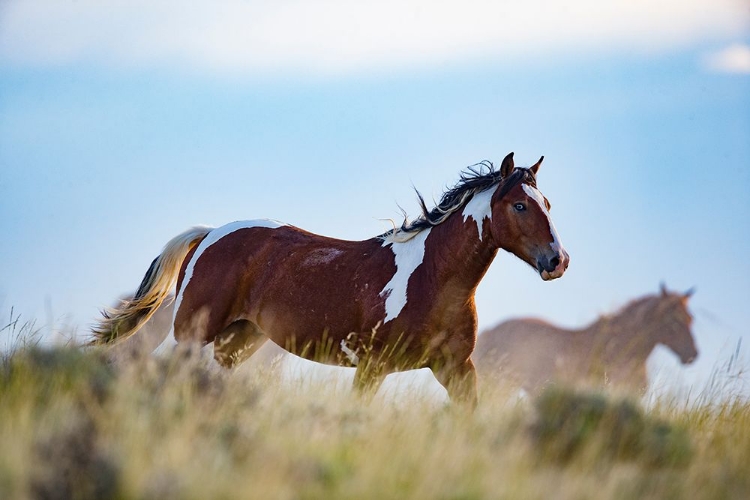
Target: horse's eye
(520, 207)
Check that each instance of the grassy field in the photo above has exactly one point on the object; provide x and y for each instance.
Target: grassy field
(74, 426)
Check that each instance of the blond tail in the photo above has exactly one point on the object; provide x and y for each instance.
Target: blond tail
(122, 322)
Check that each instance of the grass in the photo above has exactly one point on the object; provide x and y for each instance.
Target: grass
(73, 425)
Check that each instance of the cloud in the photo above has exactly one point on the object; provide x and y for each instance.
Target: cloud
(335, 36)
(732, 59)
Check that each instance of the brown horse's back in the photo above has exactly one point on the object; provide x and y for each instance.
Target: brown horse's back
(525, 351)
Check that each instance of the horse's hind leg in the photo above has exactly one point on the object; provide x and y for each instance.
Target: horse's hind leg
(237, 342)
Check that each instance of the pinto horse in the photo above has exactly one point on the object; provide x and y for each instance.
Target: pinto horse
(611, 351)
(402, 300)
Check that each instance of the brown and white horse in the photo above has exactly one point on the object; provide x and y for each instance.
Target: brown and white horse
(612, 351)
(402, 300)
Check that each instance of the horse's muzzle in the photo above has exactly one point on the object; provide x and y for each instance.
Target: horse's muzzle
(553, 266)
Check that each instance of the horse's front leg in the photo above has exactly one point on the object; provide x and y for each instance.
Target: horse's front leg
(460, 380)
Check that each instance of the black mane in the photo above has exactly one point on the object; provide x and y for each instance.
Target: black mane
(475, 179)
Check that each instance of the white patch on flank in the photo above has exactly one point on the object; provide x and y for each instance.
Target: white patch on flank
(535, 195)
(353, 358)
(479, 208)
(168, 344)
(408, 256)
(212, 237)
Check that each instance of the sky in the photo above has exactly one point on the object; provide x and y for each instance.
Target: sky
(124, 123)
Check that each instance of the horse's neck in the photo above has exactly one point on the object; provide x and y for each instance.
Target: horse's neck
(459, 258)
(622, 337)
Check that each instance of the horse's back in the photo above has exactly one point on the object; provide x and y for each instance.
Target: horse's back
(517, 335)
(524, 350)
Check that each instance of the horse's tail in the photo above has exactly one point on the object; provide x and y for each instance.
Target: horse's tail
(122, 322)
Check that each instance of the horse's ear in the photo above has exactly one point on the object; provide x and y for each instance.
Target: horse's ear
(663, 289)
(689, 293)
(507, 166)
(535, 167)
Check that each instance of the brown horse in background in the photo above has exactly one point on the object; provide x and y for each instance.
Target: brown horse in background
(611, 351)
(399, 301)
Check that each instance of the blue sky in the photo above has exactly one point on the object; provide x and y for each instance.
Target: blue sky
(122, 126)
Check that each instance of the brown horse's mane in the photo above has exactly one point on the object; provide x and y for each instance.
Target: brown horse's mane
(475, 179)
(631, 313)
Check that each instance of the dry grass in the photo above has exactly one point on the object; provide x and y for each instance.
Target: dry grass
(75, 426)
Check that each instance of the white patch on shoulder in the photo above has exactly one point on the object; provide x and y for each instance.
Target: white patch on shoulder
(212, 237)
(408, 256)
(537, 196)
(479, 208)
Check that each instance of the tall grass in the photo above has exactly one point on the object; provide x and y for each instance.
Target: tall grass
(73, 425)
(17, 334)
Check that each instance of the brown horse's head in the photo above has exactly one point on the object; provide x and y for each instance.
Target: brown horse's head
(521, 223)
(674, 321)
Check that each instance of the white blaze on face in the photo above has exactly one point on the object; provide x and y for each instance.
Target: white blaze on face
(535, 195)
(408, 256)
(212, 237)
(479, 208)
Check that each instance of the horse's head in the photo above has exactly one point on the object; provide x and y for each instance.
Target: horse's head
(674, 322)
(521, 223)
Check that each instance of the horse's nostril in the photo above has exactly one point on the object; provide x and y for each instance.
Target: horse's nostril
(555, 262)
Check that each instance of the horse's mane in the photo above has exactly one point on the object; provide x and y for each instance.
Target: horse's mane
(475, 179)
(637, 309)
